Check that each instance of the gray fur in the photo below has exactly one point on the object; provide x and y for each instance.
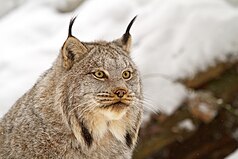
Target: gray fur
(62, 116)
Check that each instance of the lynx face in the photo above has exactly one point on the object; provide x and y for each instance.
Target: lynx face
(103, 79)
(109, 80)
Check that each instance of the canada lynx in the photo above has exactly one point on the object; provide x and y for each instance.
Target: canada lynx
(88, 105)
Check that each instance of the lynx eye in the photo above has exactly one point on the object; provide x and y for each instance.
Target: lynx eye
(126, 74)
(99, 74)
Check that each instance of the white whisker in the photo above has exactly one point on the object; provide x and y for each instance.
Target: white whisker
(80, 105)
(146, 104)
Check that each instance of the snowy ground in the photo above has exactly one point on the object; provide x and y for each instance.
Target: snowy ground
(172, 39)
(234, 155)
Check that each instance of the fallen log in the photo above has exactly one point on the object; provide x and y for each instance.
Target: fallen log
(164, 139)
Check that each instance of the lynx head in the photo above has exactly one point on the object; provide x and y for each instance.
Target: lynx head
(100, 79)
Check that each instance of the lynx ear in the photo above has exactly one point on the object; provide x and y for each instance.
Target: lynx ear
(72, 49)
(125, 40)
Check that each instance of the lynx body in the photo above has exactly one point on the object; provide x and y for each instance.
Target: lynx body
(88, 105)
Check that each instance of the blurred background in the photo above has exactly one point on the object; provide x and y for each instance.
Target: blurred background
(186, 50)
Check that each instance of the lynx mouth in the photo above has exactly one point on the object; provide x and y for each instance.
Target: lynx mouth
(114, 110)
(118, 104)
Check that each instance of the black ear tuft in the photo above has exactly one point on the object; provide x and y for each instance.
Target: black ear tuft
(70, 26)
(127, 35)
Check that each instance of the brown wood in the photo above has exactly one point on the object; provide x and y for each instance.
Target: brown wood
(162, 139)
(205, 76)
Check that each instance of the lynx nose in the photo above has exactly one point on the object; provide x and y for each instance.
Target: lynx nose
(120, 92)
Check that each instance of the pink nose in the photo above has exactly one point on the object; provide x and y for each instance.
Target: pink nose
(120, 92)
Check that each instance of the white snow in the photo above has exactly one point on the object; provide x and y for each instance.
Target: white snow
(7, 6)
(204, 108)
(186, 124)
(234, 155)
(172, 39)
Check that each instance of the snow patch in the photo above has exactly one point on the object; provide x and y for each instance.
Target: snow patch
(186, 124)
(234, 155)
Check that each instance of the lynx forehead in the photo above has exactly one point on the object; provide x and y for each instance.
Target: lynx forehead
(88, 105)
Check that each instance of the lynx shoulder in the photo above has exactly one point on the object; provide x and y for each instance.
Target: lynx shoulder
(88, 105)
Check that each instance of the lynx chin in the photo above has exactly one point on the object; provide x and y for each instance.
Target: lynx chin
(88, 105)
